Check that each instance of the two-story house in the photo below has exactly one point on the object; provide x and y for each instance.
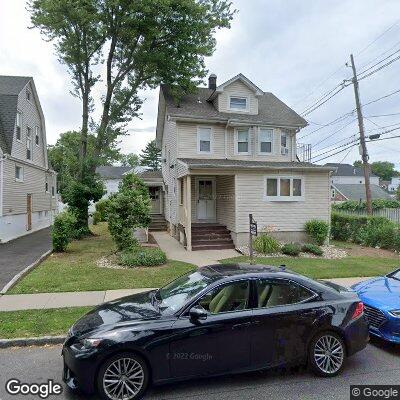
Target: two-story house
(228, 151)
(27, 185)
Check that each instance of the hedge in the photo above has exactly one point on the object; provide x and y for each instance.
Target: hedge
(377, 204)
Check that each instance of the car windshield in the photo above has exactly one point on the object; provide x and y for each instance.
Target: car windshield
(176, 294)
(395, 275)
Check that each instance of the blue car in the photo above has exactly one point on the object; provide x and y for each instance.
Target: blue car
(381, 298)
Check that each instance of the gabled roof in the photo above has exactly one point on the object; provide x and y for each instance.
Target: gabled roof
(347, 170)
(243, 79)
(357, 192)
(111, 172)
(10, 88)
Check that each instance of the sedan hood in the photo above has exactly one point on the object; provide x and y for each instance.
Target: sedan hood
(135, 308)
(382, 292)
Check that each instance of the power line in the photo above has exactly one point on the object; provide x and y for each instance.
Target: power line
(382, 115)
(380, 55)
(380, 68)
(338, 152)
(333, 133)
(379, 62)
(337, 147)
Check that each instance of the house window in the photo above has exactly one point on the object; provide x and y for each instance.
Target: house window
(28, 144)
(37, 136)
(53, 191)
(238, 103)
(284, 188)
(19, 173)
(19, 121)
(242, 141)
(28, 95)
(204, 136)
(265, 140)
(284, 144)
(182, 191)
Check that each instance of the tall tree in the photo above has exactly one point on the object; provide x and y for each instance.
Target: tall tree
(130, 160)
(134, 45)
(151, 156)
(384, 169)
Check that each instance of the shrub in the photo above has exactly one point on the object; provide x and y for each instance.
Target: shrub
(142, 256)
(291, 249)
(347, 228)
(318, 230)
(101, 210)
(377, 204)
(266, 244)
(63, 230)
(312, 248)
(379, 232)
(96, 218)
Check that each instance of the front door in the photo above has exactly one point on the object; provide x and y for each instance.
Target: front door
(221, 342)
(206, 199)
(29, 211)
(155, 200)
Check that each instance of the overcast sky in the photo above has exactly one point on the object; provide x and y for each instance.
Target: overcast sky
(296, 49)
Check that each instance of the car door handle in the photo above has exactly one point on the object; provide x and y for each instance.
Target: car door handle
(241, 326)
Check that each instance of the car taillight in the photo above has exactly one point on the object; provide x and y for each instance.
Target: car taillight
(359, 310)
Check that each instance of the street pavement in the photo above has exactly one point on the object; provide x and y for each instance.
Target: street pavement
(20, 253)
(379, 363)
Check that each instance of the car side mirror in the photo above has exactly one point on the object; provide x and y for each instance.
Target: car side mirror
(197, 312)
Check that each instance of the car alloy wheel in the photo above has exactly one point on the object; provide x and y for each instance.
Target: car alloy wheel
(124, 377)
(328, 354)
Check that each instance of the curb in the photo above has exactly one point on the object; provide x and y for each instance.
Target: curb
(35, 341)
(25, 271)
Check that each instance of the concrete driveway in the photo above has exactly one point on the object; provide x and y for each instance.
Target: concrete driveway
(377, 364)
(19, 253)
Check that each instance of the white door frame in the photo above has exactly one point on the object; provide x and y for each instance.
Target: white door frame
(214, 191)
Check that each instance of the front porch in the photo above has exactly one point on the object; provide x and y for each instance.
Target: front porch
(206, 211)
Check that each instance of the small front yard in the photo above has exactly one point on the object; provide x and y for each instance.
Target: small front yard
(77, 269)
(33, 323)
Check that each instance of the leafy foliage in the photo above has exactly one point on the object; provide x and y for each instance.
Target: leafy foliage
(377, 204)
(318, 230)
(266, 244)
(101, 208)
(128, 209)
(291, 249)
(130, 160)
(142, 256)
(151, 156)
(312, 248)
(63, 230)
(384, 169)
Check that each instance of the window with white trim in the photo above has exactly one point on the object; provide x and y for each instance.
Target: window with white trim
(265, 140)
(238, 103)
(284, 144)
(28, 143)
(37, 135)
(19, 173)
(242, 141)
(204, 138)
(284, 188)
(19, 123)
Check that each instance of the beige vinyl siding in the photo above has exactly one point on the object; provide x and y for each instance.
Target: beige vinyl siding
(225, 190)
(237, 88)
(31, 118)
(281, 216)
(15, 193)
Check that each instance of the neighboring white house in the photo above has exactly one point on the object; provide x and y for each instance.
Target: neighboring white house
(28, 187)
(394, 184)
(348, 174)
(111, 176)
(229, 151)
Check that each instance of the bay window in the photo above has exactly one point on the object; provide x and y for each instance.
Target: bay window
(204, 137)
(265, 139)
(242, 141)
(282, 188)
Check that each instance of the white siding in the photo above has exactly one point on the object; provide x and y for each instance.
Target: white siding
(281, 216)
(237, 88)
(225, 189)
(354, 180)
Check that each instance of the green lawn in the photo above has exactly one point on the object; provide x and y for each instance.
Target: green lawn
(322, 268)
(32, 323)
(76, 270)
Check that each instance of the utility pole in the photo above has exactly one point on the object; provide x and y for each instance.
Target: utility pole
(363, 146)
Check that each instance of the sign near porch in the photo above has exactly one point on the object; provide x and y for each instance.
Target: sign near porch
(252, 232)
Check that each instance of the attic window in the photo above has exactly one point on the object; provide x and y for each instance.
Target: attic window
(238, 103)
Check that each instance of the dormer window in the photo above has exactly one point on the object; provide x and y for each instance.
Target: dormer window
(238, 103)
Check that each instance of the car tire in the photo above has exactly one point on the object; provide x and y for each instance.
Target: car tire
(327, 354)
(118, 368)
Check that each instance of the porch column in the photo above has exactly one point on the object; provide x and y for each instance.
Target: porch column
(189, 213)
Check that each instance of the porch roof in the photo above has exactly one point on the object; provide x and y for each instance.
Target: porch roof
(196, 163)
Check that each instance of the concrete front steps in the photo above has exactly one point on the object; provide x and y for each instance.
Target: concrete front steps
(158, 223)
(211, 237)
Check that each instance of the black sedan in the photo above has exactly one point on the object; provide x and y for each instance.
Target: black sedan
(213, 321)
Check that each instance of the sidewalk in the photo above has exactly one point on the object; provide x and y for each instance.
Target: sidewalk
(16, 302)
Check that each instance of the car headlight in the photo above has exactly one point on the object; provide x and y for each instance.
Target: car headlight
(87, 344)
(395, 313)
